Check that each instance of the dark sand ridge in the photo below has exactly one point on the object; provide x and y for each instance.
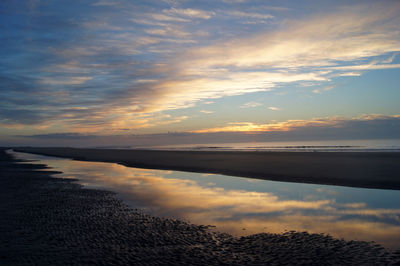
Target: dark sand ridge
(53, 221)
(355, 169)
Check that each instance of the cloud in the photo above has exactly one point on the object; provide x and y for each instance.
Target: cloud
(272, 108)
(106, 3)
(250, 15)
(206, 111)
(174, 2)
(319, 41)
(20, 116)
(191, 13)
(186, 92)
(148, 59)
(168, 31)
(164, 17)
(331, 128)
(172, 120)
(327, 88)
(76, 136)
(224, 69)
(65, 81)
(293, 125)
(366, 67)
(250, 105)
(390, 59)
(234, 1)
(350, 74)
(123, 121)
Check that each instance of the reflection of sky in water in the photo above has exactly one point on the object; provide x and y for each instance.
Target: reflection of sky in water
(244, 206)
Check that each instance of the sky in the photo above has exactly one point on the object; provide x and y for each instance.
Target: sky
(105, 72)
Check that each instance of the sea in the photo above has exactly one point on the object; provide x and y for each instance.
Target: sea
(370, 145)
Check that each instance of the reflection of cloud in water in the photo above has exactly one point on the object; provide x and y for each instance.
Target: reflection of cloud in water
(232, 210)
(354, 229)
(254, 180)
(327, 191)
(172, 193)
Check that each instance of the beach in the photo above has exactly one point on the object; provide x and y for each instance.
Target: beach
(379, 170)
(50, 220)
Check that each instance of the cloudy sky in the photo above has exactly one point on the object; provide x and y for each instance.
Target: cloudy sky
(118, 68)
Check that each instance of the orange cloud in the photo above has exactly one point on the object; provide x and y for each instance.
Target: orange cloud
(289, 124)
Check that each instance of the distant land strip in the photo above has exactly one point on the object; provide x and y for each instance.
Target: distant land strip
(380, 170)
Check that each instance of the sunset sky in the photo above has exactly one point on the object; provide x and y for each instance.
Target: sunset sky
(121, 72)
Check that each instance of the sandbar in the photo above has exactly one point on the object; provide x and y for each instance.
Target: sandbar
(380, 170)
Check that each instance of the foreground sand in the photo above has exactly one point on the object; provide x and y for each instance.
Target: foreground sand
(49, 221)
(356, 169)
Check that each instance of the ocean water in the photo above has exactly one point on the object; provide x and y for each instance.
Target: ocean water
(373, 145)
(243, 206)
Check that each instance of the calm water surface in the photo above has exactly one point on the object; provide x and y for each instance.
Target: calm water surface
(243, 206)
(370, 145)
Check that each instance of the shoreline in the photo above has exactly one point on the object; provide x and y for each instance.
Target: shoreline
(377, 170)
(50, 220)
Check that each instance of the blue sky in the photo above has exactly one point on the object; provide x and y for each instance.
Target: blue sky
(121, 68)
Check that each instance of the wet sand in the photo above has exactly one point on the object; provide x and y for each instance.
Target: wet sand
(52, 221)
(355, 169)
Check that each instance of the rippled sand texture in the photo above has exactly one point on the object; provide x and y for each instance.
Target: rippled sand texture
(46, 220)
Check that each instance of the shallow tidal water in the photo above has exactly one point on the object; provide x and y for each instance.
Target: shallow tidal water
(243, 206)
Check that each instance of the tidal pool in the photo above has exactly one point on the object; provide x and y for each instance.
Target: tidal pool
(243, 206)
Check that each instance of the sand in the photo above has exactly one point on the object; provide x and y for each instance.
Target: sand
(47, 220)
(356, 169)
